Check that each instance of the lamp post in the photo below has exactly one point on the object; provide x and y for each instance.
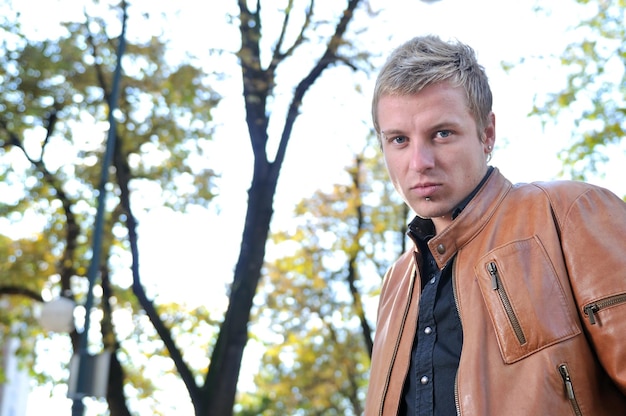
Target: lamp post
(57, 315)
(78, 406)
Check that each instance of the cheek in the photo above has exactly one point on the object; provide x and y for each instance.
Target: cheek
(389, 164)
(393, 172)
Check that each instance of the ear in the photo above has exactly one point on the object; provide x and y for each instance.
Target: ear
(489, 133)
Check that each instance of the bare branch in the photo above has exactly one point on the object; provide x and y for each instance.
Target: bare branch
(21, 291)
(328, 58)
(50, 123)
(14, 139)
(66, 263)
(256, 81)
(278, 56)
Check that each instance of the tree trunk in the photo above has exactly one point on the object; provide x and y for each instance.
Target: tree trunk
(221, 385)
(220, 388)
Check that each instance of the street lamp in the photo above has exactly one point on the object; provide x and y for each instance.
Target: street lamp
(83, 364)
(89, 374)
(87, 363)
(57, 315)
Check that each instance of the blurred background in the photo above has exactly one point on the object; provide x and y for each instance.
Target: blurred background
(194, 213)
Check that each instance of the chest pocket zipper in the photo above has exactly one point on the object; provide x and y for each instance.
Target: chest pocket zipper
(496, 284)
(595, 307)
(569, 388)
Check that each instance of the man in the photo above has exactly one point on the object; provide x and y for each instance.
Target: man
(513, 300)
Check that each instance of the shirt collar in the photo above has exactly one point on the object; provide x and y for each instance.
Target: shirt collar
(456, 211)
(424, 229)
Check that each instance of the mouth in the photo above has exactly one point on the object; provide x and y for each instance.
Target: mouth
(426, 190)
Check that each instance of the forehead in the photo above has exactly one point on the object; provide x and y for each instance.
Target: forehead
(440, 90)
(438, 100)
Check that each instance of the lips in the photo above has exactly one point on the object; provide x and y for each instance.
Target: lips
(425, 190)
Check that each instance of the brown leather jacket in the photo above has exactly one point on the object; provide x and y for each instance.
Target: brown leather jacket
(540, 286)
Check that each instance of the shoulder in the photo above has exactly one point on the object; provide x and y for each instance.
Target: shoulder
(563, 193)
(574, 203)
(567, 201)
(564, 187)
(569, 193)
(567, 187)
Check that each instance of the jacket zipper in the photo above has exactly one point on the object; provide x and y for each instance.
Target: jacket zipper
(456, 304)
(506, 303)
(397, 344)
(593, 308)
(569, 388)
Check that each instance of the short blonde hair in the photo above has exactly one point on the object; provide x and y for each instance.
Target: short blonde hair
(427, 60)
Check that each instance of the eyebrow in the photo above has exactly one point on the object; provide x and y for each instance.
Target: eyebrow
(391, 132)
(443, 125)
(446, 125)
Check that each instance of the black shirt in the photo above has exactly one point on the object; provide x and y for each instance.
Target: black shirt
(430, 383)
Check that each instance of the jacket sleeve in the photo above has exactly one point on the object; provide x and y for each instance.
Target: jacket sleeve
(593, 239)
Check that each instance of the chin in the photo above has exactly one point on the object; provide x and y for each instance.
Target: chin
(429, 212)
(423, 213)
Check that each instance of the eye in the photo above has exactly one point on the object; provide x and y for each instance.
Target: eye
(398, 139)
(443, 134)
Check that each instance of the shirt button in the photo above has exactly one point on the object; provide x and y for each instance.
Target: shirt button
(432, 281)
(428, 330)
(424, 380)
(441, 249)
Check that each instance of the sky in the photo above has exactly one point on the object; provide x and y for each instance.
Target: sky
(178, 251)
(525, 151)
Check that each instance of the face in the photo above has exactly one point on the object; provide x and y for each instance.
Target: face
(432, 149)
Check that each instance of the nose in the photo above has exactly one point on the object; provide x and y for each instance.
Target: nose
(422, 157)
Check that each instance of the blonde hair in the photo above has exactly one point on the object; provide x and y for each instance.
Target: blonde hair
(428, 60)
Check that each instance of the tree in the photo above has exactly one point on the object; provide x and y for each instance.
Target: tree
(50, 88)
(259, 82)
(22, 283)
(595, 91)
(311, 315)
